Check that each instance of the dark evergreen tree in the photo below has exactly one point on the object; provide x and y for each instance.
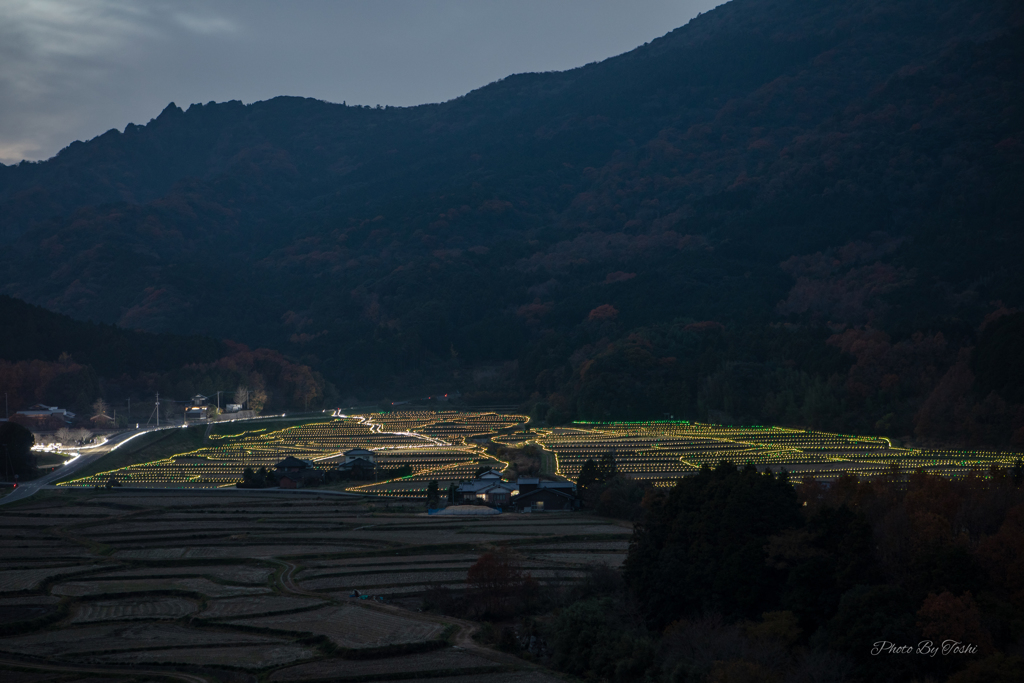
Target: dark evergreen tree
(607, 465)
(590, 476)
(702, 547)
(16, 450)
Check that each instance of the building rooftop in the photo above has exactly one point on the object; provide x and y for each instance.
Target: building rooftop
(291, 462)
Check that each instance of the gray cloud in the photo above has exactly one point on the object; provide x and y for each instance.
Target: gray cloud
(72, 70)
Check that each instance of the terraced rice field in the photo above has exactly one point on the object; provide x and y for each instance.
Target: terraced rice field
(257, 605)
(432, 443)
(351, 626)
(662, 452)
(27, 607)
(120, 637)
(129, 609)
(229, 573)
(440, 661)
(27, 579)
(206, 582)
(414, 448)
(246, 657)
(198, 585)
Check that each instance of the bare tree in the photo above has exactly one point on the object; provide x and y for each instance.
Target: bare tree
(99, 408)
(81, 435)
(63, 435)
(242, 395)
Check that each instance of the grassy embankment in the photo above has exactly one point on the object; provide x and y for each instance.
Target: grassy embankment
(169, 442)
(45, 460)
(146, 448)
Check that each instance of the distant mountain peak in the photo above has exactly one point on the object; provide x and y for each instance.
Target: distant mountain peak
(170, 111)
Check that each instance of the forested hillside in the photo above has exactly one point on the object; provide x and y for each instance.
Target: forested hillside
(50, 358)
(784, 211)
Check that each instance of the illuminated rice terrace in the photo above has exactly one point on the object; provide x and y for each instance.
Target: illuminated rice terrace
(416, 447)
(431, 444)
(661, 452)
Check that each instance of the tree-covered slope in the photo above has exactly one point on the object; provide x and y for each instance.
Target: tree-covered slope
(49, 358)
(33, 333)
(794, 211)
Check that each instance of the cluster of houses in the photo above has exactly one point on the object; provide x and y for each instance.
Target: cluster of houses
(199, 409)
(358, 463)
(527, 494)
(43, 418)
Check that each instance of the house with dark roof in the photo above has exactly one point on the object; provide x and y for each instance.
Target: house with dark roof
(545, 498)
(359, 463)
(487, 488)
(537, 496)
(41, 418)
(527, 494)
(291, 472)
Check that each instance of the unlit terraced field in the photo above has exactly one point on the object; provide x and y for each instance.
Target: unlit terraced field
(207, 582)
(198, 585)
(230, 573)
(137, 608)
(352, 626)
(250, 657)
(228, 552)
(446, 660)
(27, 579)
(107, 638)
(256, 605)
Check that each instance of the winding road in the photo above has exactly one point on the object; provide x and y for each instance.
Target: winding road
(86, 456)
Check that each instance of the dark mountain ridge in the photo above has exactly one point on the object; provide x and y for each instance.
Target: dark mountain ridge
(615, 230)
(690, 72)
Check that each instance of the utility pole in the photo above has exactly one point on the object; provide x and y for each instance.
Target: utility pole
(218, 401)
(158, 409)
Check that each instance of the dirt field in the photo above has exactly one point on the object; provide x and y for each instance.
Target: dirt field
(207, 586)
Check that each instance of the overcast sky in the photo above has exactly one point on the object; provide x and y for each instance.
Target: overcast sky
(73, 69)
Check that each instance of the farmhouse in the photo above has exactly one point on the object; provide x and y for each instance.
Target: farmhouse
(41, 418)
(102, 421)
(291, 472)
(525, 495)
(487, 488)
(545, 498)
(198, 410)
(359, 463)
(537, 496)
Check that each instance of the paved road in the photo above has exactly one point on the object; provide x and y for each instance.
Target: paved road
(91, 454)
(87, 456)
(30, 487)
